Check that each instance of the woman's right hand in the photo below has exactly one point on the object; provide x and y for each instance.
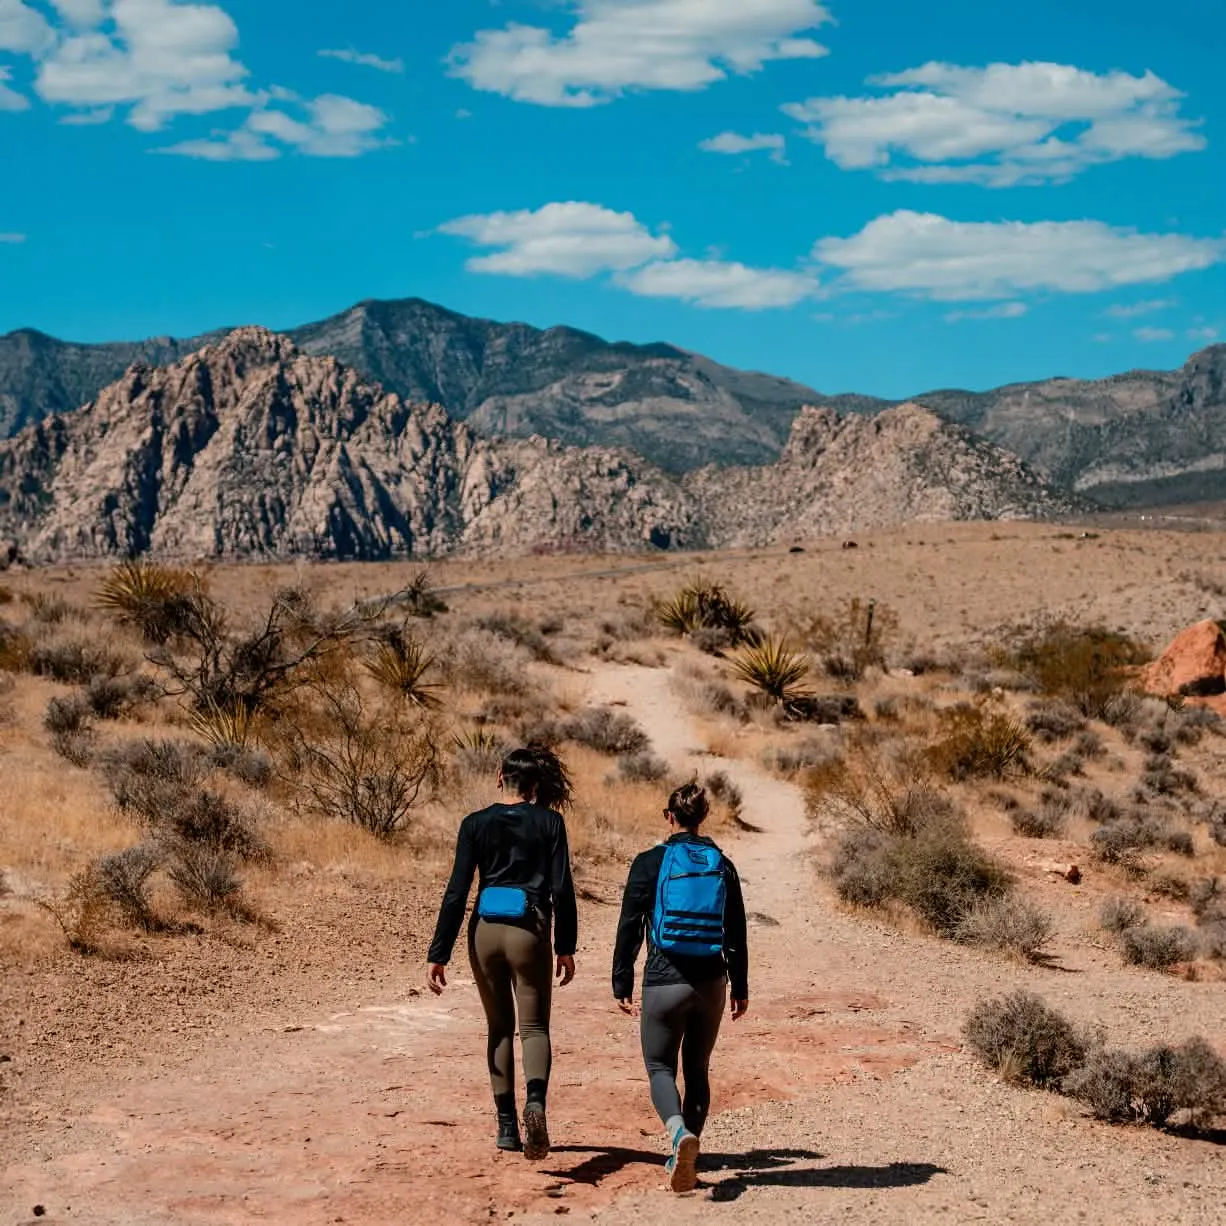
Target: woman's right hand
(627, 1007)
(436, 980)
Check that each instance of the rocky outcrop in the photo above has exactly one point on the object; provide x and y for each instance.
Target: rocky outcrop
(252, 448)
(1193, 666)
(843, 474)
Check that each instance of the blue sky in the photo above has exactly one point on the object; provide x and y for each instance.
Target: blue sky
(875, 196)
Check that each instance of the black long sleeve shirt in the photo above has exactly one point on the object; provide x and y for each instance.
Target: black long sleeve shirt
(520, 845)
(638, 904)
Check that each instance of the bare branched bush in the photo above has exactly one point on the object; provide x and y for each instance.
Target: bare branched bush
(1008, 925)
(975, 741)
(857, 636)
(145, 777)
(1024, 1040)
(369, 767)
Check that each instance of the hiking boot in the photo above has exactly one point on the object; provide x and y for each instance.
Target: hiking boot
(508, 1134)
(682, 1167)
(536, 1133)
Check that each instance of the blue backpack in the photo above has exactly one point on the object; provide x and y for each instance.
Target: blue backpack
(690, 895)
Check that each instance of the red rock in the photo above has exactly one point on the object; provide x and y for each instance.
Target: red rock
(1194, 665)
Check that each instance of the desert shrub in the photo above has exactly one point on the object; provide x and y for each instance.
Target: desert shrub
(402, 664)
(1009, 925)
(207, 819)
(1054, 720)
(73, 661)
(478, 751)
(1047, 820)
(773, 669)
(205, 875)
(1162, 777)
(369, 767)
(145, 777)
(123, 878)
(935, 870)
(606, 731)
(1213, 940)
(70, 724)
(723, 789)
(115, 697)
(1155, 740)
(516, 629)
(702, 605)
(805, 755)
(887, 710)
(48, 610)
(250, 766)
(480, 661)
(1171, 885)
(1118, 841)
(419, 598)
(14, 648)
(1207, 898)
(1085, 666)
(1093, 805)
(1117, 915)
(1157, 948)
(1190, 723)
(974, 741)
(712, 640)
(1153, 1086)
(822, 709)
(714, 698)
(1088, 744)
(1024, 1040)
(1180, 842)
(643, 767)
(857, 636)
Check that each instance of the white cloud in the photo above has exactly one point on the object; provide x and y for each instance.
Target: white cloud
(734, 142)
(89, 119)
(334, 127)
(1005, 310)
(24, 29)
(717, 283)
(1152, 335)
(1130, 310)
(365, 61)
(12, 239)
(81, 13)
(619, 45)
(932, 256)
(1208, 335)
(569, 239)
(10, 99)
(1001, 125)
(162, 59)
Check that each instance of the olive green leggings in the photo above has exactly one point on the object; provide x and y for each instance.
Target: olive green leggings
(513, 965)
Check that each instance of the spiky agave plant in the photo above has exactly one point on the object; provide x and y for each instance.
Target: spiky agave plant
(148, 596)
(682, 614)
(225, 727)
(401, 664)
(774, 668)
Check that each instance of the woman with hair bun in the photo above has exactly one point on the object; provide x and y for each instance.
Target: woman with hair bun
(520, 856)
(685, 897)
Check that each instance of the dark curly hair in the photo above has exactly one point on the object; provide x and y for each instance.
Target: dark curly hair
(537, 773)
(689, 806)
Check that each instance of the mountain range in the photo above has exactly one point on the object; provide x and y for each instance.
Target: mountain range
(1136, 439)
(252, 448)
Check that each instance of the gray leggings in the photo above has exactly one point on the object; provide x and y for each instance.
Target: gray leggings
(682, 1019)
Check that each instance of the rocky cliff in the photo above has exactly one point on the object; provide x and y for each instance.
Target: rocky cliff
(252, 448)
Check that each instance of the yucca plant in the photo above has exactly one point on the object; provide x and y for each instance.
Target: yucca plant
(225, 727)
(708, 606)
(772, 667)
(148, 596)
(681, 613)
(478, 751)
(401, 664)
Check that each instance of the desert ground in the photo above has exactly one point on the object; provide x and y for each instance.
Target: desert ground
(236, 1028)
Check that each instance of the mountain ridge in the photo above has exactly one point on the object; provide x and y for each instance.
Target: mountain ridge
(251, 447)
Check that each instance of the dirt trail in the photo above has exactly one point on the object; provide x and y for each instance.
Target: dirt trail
(382, 1111)
(842, 1095)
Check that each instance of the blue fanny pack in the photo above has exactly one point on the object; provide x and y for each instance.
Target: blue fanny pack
(502, 902)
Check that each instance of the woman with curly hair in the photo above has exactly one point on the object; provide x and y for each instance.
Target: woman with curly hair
(520, 856)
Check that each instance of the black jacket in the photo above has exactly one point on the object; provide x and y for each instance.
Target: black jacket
(639, 903)
(511, 845)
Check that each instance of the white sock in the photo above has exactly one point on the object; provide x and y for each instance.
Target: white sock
(673, 1125)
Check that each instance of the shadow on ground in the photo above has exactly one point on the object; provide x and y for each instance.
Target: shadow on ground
(759, 1168)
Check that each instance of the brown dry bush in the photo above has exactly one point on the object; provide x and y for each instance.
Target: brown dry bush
(857, 636)
(1024, 1040)
(1120, 914)
(975, 741)
(515, 628)
(123, 878)
(1086, 666)
(1158, 948)
(1054, 720)
(605, 730)
(1009, 925)
(1048, 820)
(74, 661)
(205, 876)
(70, 722)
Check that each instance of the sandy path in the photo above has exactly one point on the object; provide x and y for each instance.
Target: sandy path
(843, 1095)
(381, 1112)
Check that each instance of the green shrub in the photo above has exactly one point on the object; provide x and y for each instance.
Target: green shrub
(1024, 1040)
